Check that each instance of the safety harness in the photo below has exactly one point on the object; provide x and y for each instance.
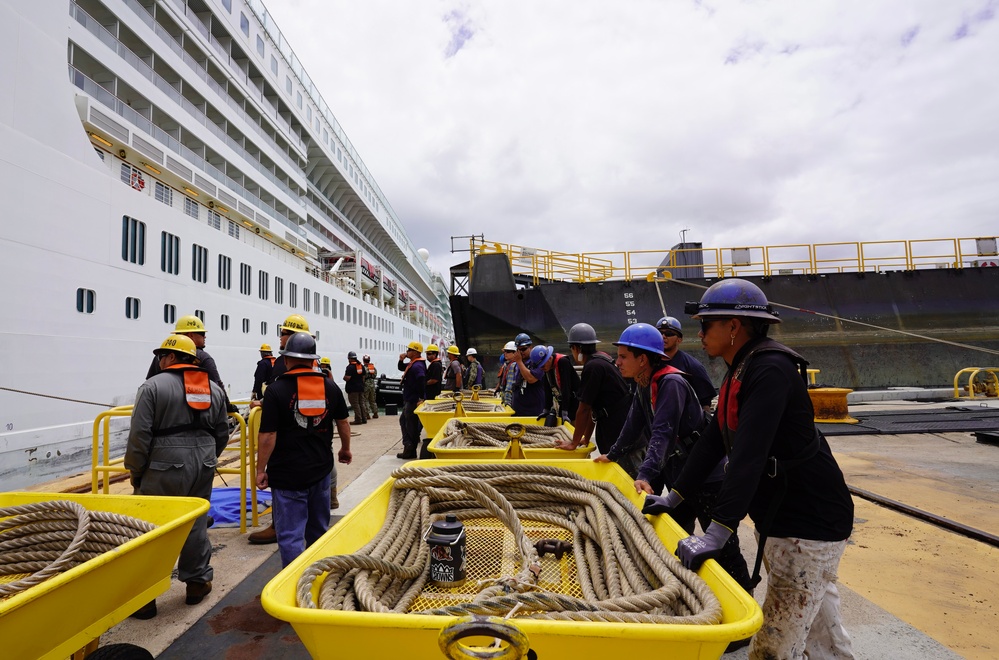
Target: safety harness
(197, 395)
(728, 422)
(683, 444)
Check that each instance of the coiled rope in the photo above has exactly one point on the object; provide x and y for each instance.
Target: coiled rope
(469, 406)
(491, 434)
(47, 538)
(625, 572)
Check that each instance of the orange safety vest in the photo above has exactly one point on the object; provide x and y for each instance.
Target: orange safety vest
(371, 369)
(197, 389)
(311, 391)
(271, 358)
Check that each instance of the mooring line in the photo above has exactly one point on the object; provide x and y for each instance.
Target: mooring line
(52, 396)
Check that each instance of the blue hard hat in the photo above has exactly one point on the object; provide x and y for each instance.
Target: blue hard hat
(523, 339)
(502, 359)
(733, 297)
(540, 355)
(642, 336)
(669, 323)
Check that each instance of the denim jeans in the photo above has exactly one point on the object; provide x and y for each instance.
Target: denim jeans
(300, 517)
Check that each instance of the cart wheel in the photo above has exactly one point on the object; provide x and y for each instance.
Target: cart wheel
(120, 652)
(490, 627)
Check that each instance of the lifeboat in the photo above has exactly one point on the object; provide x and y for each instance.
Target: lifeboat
(346, 268)
(388, 290)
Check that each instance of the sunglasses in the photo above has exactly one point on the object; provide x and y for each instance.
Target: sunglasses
(286, 333)
(706, 324)
(669, 333)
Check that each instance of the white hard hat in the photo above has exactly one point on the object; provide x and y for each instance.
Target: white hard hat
(471, 351)
(509, 346)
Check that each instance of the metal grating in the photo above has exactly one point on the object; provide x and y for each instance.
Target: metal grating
(102, 121)
(178, 168)
(148, 149)
(953, 419)
(491, 552)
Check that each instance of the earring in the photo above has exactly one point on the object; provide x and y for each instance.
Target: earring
(731, 341)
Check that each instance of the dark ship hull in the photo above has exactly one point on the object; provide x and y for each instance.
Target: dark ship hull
(955, 305)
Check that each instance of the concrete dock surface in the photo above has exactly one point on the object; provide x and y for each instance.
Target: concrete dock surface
(909, 589)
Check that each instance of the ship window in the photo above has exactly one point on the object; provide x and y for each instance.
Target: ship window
(100, 153)
(308, 113)
(199, 263)
(215, 220)
(326, 305)
(263, 284)
(292, 294)
(279, 290)
(317, 335)
(225, 272)
(306, 298)
(131, 308)
(169, 253)
(341, 312)
(169, 313)
(132, 177)
(86, 300)
(228, 5)
(298, 99)
(200, 313)
(246, 326)
(191, 207)
(224, 322)
(133, 240)
(244, 24)
(164, 194)
(260, 46)
(316, 301)
(233, 229)
(355, 316)
(273, 65)
(263, 328)
(287, 84)
(245, 279)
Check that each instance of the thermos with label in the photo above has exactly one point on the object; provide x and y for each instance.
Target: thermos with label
(447, 551)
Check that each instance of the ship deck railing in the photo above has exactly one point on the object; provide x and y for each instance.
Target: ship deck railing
(536, 266)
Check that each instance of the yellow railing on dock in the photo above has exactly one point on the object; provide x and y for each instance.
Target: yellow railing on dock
(103, 465)
(987, 386)
(796, 259)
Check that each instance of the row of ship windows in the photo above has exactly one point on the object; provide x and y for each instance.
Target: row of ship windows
(86, 303)
(133, 250)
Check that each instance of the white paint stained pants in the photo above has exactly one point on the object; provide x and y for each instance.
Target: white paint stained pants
(801, 612)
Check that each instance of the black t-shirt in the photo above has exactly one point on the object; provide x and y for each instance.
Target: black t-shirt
(775, 418)
(434, 372)
(603, 389)
(301, 456)
(353, 377)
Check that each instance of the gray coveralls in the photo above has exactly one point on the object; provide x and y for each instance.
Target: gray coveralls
(179, 464)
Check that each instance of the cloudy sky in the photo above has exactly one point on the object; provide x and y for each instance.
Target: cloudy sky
(580, 125)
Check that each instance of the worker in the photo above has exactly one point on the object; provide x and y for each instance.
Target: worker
(353, 377)
(294, 323)
(178, 430)
(603, 394)
(295, 447)
(781, 472)
(452, 375)
(474, 373)
(560, 383)
(326, 366)
(528, 392)
(262, 374)
(505, 377)
(697, 375)
(665, 410)
(435, 373)
(414, 383)
(193, 328)
(370, 397)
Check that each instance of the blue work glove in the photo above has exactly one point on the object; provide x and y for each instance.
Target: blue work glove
(693, 550)
(655, 504)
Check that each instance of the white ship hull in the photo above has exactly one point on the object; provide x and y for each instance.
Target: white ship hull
(62, 233)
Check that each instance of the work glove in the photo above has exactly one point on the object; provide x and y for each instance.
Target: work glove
(656, 504)
(693, 550)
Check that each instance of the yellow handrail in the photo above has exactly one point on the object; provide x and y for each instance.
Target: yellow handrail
(763, 260)
(990, 386)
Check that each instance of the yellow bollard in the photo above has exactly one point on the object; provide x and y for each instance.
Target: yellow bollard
(830, 405)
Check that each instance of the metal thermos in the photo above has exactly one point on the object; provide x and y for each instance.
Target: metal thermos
(447, 551)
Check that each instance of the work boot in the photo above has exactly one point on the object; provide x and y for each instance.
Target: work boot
(263, 537)
(406, 453)
(374, 416)
(146, 612)
(334, 502)
(196, 592)
(356, 422)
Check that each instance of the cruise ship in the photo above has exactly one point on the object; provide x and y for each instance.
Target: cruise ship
(171, 157)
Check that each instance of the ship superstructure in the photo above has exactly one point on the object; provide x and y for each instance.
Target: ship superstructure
(169, 158)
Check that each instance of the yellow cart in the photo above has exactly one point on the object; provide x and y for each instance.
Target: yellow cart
(71, 610)
(495, 453)
(352, 634)
(435, 412)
